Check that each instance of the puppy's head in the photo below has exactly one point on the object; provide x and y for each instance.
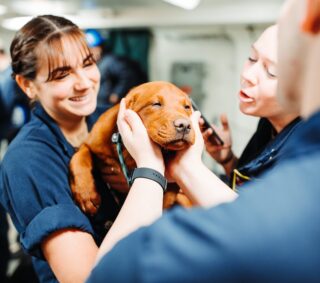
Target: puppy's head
(165, 111)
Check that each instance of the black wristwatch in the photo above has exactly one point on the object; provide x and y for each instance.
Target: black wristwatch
(148, 173)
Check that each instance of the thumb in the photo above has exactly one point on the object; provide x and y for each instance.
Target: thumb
(133, 120)
(195, 117)
(121, 122)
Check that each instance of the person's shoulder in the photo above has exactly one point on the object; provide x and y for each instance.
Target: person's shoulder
(33, 131)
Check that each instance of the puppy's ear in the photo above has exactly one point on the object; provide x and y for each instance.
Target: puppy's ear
(131, 100)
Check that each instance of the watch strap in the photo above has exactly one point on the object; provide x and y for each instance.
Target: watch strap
(148, 173)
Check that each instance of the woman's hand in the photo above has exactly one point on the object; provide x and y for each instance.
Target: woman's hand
(222, 154)
(136, 140)
(197, 181)
(191, 155)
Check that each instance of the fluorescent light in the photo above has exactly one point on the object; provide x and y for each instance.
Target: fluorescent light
(185, 4)
(40, 7)
(16, 23)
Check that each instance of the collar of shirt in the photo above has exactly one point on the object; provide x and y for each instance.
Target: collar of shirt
(272, 149)
(53, 126)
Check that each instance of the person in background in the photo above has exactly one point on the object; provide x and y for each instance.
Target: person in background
(257, 97)
(14, 106)
(118, 73)
(270, 232)
(4, 58)
(14, 113)
(4, 243)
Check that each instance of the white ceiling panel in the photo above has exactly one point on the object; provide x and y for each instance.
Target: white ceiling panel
(138, 13)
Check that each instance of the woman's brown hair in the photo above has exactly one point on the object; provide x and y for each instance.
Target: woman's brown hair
(41, 39)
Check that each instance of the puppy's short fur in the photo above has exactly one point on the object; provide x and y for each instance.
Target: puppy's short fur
(165, 111)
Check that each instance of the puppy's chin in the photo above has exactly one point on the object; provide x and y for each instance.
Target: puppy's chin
(177, 145)
(174, 143)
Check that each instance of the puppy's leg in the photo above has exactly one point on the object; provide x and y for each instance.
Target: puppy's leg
(174, 196)
(82, 181)
(170, 196)
(183, 200)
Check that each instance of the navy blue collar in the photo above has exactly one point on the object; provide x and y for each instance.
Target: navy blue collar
(272, 149)
(39, 111)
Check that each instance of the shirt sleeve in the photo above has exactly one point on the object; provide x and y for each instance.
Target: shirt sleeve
(36, 194)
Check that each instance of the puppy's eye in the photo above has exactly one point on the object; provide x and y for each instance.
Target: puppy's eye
(187, 107)
(156, 104)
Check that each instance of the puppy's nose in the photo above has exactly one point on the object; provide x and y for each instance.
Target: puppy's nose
(182, 125)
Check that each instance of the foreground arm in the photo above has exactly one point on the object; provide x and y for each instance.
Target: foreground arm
(197, 181)
(143, 204)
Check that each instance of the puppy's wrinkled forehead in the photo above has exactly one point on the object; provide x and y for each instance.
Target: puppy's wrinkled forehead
(155, 92)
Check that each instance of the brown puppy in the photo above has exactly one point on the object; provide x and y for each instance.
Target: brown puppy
(165, 110)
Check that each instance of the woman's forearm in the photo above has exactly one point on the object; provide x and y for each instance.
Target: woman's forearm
(203, 187)
(142, 206)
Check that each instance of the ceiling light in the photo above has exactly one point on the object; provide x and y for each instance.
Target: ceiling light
(40, 7)
(185, 4)
(16, 23)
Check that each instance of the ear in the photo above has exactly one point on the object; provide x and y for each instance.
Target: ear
(311, 20)
(26, 85)
(130, 100)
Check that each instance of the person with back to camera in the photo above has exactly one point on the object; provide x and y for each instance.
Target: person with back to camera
(53, 65)
(257, 97)
(270, 232)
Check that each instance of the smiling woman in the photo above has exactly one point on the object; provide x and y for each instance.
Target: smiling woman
(66, 81)
(53, 65)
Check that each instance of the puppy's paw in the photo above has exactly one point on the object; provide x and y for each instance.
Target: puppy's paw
(89, 202)
(183, 200)
(85, 194)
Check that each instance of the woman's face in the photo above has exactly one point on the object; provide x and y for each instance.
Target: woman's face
(72, 93)
(257, 95)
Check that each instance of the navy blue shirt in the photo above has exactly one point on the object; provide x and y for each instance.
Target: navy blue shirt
(34, 189)
(269, 234)
(263, 151)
